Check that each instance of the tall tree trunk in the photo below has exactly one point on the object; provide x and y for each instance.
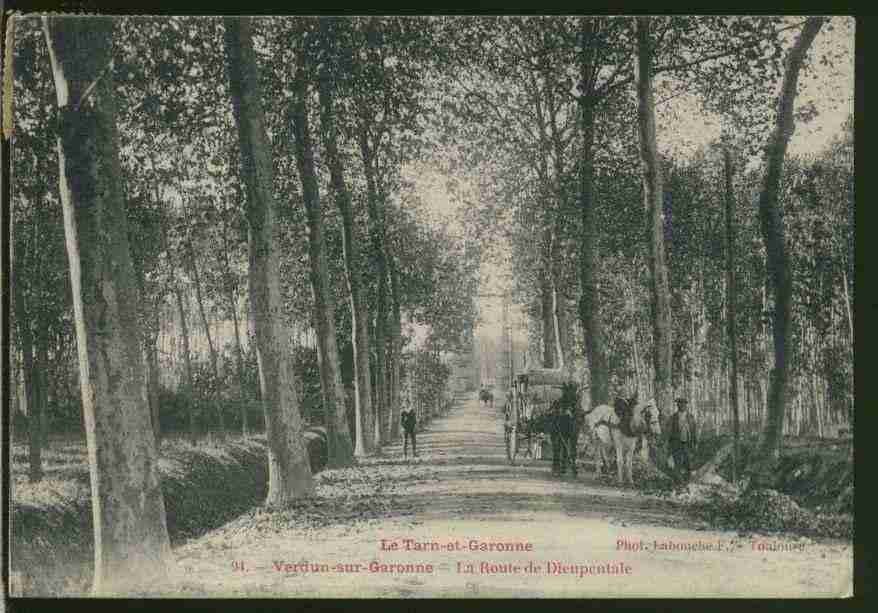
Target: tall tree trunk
(812, 347)
(152, 376)
(396, 344)
(637, 364)
(150, 358)
(131, 545)
(41, 386)
(340, 447)
(558, 303)
(359, 315)
(693, 349)
(589, 304)
(848, 397)
(25, 339)
(778, 267)
(377, 232)
(548, 310)
(847, 305)
(653, 197)
(239, 366)
(187, 363)
(558, 320)
(551, 195)
(288, 467)
(731, 302)
(14, 397)
(214, 367)
(232, 295)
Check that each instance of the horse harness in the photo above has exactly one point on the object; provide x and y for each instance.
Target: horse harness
(625, 430)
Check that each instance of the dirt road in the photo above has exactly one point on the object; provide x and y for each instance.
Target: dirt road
(460, 522)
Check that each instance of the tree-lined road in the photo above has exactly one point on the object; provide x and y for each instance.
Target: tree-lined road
(222, 222)
(568, 538)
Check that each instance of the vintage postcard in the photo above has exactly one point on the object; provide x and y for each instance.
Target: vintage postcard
(430, 306)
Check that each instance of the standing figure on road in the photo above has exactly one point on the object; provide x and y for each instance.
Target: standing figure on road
(564, 431)
(409, 422)
(508, 409)
(682, 439)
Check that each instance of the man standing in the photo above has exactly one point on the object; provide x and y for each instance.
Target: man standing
(563, 432)
(682, 438)
(408, 425)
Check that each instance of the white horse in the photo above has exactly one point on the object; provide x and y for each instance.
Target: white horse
(603, 422)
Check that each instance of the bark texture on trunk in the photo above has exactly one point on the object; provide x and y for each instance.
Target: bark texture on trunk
(187, 363)
(31, 395)
(42, 386)
(377, 233)
(559, 305)
(152, 374)
(653, 196)
(150, 354)
(359, 315)
(214, 366)
(777, 263)
(232, 295)
(239, 368)
(547, 296)
(340, 448)
(396, 344)
(289, 471)
(558, 320)
(731, 302)
(131, 545)
(548, 220)
(589, 302)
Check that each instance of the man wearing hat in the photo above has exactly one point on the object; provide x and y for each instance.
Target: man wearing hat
(409, 424)
(682, 438)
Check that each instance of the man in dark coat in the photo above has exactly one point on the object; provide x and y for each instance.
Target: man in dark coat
(682, 439)
(408, 426)
(564, 432)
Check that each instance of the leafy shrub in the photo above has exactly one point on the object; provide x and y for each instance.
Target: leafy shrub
(767, 510)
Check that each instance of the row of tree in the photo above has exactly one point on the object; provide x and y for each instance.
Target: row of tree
(189, 156)
(726, 276)
(183, 148)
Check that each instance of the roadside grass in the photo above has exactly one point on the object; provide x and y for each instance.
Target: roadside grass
(812, 494)
(205, 486)
(51, 548)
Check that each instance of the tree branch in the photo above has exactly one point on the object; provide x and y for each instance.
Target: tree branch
(706, 58)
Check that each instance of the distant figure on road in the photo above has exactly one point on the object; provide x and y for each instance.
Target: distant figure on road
(409, 422)
(682, 439)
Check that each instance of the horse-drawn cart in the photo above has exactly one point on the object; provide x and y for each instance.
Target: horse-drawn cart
(527, 414)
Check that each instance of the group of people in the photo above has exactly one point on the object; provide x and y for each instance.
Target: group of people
(682, 436)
